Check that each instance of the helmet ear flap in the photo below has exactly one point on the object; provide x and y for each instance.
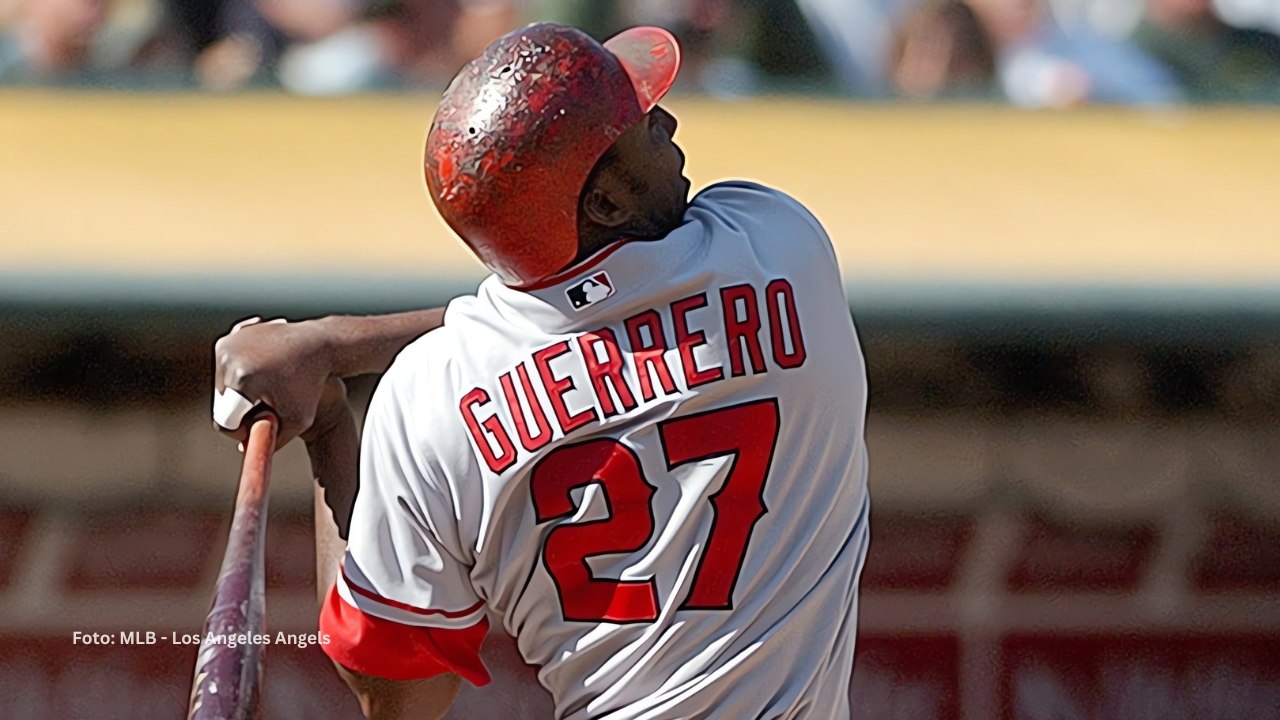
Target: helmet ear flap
(519, 131)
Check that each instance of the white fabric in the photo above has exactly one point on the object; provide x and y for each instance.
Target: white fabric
(230, 407)
(437, 530)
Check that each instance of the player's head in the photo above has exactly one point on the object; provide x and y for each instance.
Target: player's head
(637, 188)
(549, 144)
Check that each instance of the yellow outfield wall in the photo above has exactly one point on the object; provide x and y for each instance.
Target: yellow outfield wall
(186, 184)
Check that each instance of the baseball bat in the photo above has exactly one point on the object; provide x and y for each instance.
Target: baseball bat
(228, 669)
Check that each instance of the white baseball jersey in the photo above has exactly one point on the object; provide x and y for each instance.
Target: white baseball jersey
(652, 468)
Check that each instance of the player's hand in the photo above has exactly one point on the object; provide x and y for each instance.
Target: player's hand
(281, 365)
(332, 411)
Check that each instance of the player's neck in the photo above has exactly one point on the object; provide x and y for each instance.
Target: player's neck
(592, 241)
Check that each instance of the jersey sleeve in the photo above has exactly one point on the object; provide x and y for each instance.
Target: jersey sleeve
(403, 606)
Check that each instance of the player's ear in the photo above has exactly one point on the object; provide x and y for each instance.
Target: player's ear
(602, 210)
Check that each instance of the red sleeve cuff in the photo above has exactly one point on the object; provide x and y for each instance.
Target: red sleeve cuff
(381, 648)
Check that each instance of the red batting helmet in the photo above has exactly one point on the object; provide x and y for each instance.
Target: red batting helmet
(521, 127)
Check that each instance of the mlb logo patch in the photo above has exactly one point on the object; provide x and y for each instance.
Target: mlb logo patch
(595, 288)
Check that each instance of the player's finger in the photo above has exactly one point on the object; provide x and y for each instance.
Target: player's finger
(220, 357)
(244, 324)
(254, 320)
(223, 363)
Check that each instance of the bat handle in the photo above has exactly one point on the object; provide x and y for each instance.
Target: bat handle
(227, 678)
(255, 474)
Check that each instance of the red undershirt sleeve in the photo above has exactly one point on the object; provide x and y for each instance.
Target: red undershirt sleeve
(382, 648)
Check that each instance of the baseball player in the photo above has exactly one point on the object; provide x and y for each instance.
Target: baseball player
(639, 444)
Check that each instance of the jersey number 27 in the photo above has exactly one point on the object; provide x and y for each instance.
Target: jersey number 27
(746, 433)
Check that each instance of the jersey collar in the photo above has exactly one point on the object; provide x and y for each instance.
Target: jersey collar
(573, 271)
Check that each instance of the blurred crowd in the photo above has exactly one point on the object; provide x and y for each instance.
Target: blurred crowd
(1033, 53)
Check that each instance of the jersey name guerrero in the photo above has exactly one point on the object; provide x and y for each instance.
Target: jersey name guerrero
(740, 309)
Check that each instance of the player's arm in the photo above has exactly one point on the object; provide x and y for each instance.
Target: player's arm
(333, 446)
(380, 699)
(360, 345)
(285, 365)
